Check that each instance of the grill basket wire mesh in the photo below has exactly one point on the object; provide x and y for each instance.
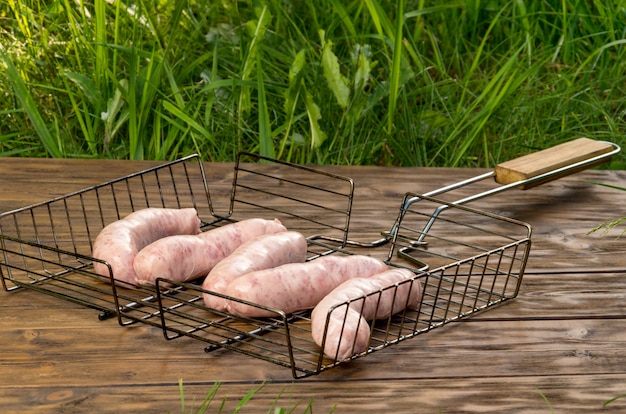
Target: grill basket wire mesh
(465, 261)
(46, 247)
(317, 204)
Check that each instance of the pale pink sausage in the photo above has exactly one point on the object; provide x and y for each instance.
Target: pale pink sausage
(297, 286)
(354, 303)
(183, 258)
(119, 242)
(264, 252)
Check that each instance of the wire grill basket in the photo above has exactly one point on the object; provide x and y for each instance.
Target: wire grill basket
(464, 260)
(46, 247)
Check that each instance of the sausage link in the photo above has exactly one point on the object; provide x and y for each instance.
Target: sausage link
(119, 242)
(264, 252)
(344, 313)
(183, 258)
(297, 286)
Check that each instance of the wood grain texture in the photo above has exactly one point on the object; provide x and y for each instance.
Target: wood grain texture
(562, 337)
(550, 159)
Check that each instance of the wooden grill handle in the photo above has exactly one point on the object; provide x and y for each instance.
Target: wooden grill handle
(551, 159)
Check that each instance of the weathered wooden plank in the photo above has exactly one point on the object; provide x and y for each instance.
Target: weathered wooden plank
(565, 296)
(113, 355)
(511, 394)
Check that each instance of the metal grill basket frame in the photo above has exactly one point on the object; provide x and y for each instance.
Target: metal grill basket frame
(46, 248)
(469, 277)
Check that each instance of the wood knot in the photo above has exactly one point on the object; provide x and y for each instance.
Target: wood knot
(60, 395)
(31, 334)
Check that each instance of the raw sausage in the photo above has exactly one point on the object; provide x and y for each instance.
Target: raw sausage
(183, 258)
(357, 301)
(119, 242)
(264, 252)
(297, 286)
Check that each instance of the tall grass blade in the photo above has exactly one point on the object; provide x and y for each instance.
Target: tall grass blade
(28, 104)
(101, 60)
(22, 16)
(612, 400)
(396, 66)
(505, 81)
(595, 55)
(521, 7)
(383, 26)
(82, 112)
(192, 123)
(292, 97)
(181, 392)
(313, 112)
(344, 16)
(468, 76)
(135, 143)
(266, 142)
(209, 397)
(257, 29)
(247, 397)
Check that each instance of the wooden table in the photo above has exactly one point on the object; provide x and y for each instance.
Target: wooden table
(559, 344)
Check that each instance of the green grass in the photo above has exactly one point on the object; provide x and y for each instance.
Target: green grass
(211, 404)
(415, 83)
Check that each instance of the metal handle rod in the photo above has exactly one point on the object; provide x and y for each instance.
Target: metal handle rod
(540, 177)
